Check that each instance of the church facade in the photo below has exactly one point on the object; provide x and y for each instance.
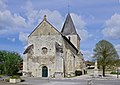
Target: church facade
(51, 53)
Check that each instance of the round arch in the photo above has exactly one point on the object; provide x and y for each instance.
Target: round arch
(44, 71)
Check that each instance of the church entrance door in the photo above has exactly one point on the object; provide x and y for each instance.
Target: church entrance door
(44, 71)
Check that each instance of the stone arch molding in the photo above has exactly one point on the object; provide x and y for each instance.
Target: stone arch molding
(40, 69)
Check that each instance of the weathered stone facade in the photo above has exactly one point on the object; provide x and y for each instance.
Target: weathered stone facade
(51, 53)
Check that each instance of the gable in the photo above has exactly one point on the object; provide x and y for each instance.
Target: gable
(44, 28)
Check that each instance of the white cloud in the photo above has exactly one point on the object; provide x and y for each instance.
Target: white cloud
(87, 55)
(11, 39)
(25, 47)
(10, 22)
(23, 37)
(31, 14)
(15, 23)
(112, 27)
(80, 25)
(2, 5)
(118, 48)
(54, 17)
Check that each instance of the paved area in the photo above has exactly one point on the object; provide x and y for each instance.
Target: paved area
(39, 81)
(90, 76)
(6, 83)
(93, 81)
(81, 80)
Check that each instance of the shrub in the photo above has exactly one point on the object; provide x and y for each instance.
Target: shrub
(22, 80)
(115, 73)
(78, 73)
(1, 76)
(15, 77)
(7, 80)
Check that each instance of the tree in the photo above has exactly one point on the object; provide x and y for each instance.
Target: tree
(9, 62)
(106, 54)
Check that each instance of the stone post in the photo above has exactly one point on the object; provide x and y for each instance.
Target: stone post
(96, 70)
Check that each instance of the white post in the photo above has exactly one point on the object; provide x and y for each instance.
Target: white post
(96, 70)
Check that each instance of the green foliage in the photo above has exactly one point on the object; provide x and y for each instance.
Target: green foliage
(106, 54)
(116, 63)
(7, 79)
(115, 73)
(15, 77)
(9, 62)
(2, 76)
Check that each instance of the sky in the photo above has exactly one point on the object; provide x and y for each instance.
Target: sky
(94, 20)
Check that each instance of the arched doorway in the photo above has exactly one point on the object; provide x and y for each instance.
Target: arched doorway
(44, 71)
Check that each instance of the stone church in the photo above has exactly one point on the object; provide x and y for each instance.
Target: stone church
(51, 53)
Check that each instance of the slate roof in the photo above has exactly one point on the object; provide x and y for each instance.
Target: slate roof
(68, 27)
(70, 43)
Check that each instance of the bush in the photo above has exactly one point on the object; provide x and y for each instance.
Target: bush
(7, 80)
(15, 77)
(11, 62)
(115, 73)
(1, 76)
(78, 73)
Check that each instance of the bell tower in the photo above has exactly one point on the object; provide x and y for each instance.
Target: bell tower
(70, 32)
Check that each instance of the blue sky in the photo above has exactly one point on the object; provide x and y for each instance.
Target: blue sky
(94, 20)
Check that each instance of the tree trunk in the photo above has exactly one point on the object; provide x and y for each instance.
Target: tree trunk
(104, 71)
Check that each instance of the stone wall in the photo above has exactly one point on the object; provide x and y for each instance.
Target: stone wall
(49, 59)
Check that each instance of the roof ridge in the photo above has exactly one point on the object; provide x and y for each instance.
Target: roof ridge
(45, 19)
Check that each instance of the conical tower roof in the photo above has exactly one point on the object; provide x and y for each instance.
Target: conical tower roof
(68, 27)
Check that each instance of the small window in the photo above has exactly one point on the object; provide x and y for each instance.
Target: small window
(44, 50)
